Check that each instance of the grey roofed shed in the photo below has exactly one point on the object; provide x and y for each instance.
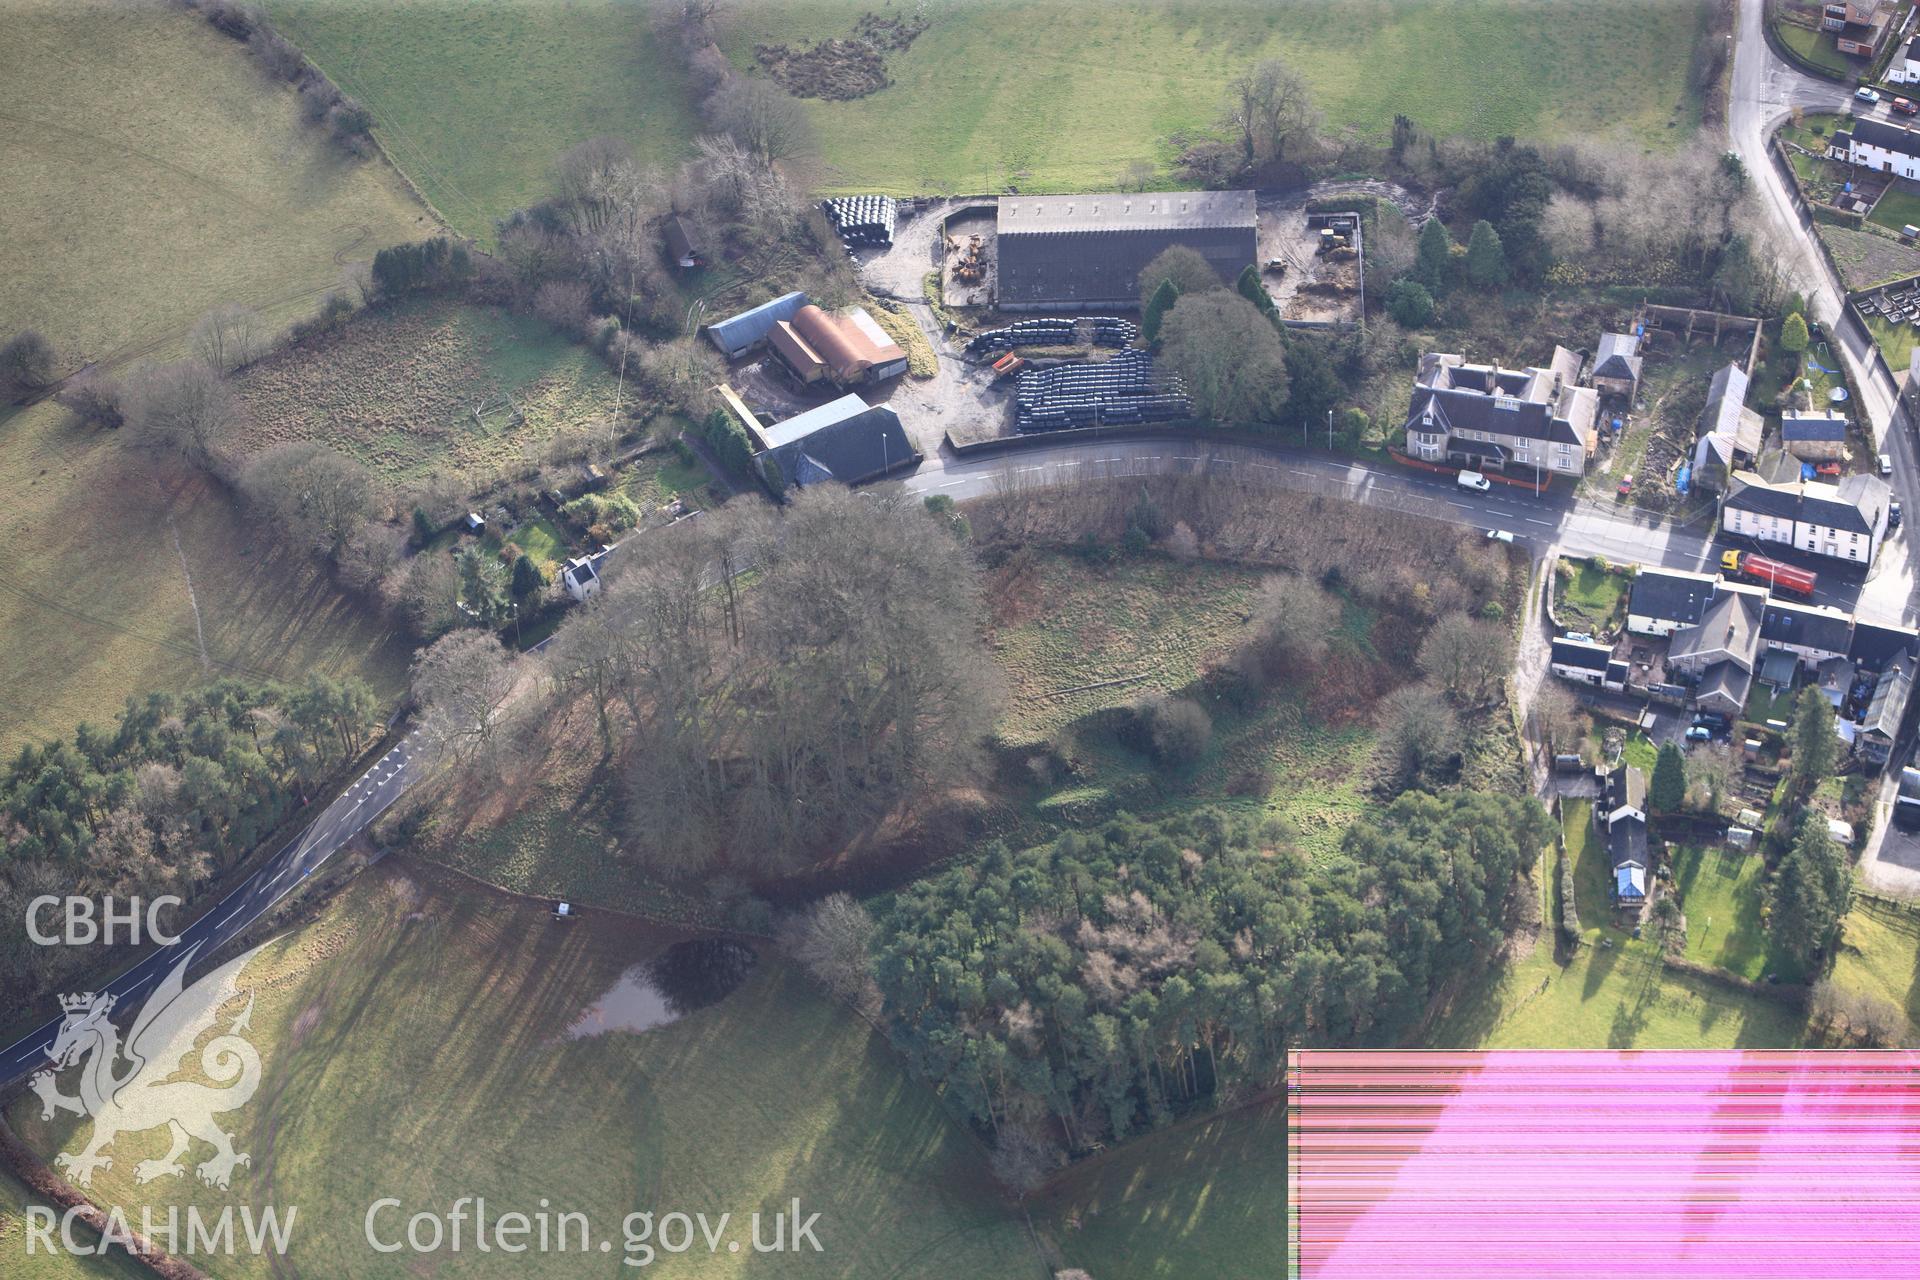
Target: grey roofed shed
(1080, 252)
(1618, 357)
(1812, 426)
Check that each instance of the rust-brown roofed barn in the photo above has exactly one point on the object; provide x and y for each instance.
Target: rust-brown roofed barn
(1086, 252)
(847, 348)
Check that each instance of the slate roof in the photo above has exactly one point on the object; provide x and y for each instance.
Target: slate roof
(1528, 404)
(1670, 595)
(1913, 49)
(1578, 653)
(1728, 680)
(1627, 845)
(1625, 788)
(1889, 701)
(1778, 668)
(1888, 137)
(1876, 644)
(1814, 626)
(1856, 505)
(1812, 426)
(1617, 356)
(1730, 626)
(679, 239)
(853, 445)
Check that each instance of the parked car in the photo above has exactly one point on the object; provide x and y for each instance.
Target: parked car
(1865, 94)
(1473, 480)
(1626, 485)
(1499, 535)
(1583, 637)
(1699, 733)
(1906, 106)
(1711, 719)
(1886, 464)
(1826, 469)
(1894, 513)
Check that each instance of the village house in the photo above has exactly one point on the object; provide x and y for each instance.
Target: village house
(1621, 812)
(1588, 662)
(1616, 365)
(1813, 436)
(1880, 145)
(1526, 422)
(1730, 432)
(1661, 601)
(1720, 654)
(1859, 27)
(1905, 67)
(581, 577)
(1846, 521)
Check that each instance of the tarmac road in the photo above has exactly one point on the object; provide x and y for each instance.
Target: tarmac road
(1556, 520)
(360, 804)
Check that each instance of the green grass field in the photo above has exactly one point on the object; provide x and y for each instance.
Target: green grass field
(1061, 95)
(414, 1047)
(1593, 599)
(656, 478)
(126, 562)
(153, 173)
(1880, 954)
(540, 539)
(1818, 48)
(398, 388)
(1203, 1199)
(1620, 997)
(1722, 891)
(42, 1265)
(1898, 207)
(477, 102)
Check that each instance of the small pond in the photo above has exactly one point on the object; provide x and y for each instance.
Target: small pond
(684, 977)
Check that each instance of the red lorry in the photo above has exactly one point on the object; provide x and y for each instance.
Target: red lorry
(1744, 564)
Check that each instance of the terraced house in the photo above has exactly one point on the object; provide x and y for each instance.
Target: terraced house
(1879, 145)
(1846, 521)
(1526, 422)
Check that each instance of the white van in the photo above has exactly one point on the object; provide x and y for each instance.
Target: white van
(1475, 481)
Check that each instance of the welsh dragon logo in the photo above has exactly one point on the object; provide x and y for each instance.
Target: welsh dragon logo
(128, 1088)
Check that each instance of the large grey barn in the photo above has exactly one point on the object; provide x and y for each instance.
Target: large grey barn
(1067, 253)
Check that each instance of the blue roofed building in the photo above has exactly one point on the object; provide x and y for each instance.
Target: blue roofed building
(737, 335)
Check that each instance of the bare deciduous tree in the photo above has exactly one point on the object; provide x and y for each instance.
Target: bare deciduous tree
(461, 683)
(1557, 718)
(1418, 730)
(832, 939)
(1293, 622)
(1270, 108)
(1190, 272)
(229, 337)
(184, 406)
(1466, 657)
(763, 118)
(318, 495)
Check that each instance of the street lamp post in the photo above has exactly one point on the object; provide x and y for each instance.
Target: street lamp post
(1329, 430)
